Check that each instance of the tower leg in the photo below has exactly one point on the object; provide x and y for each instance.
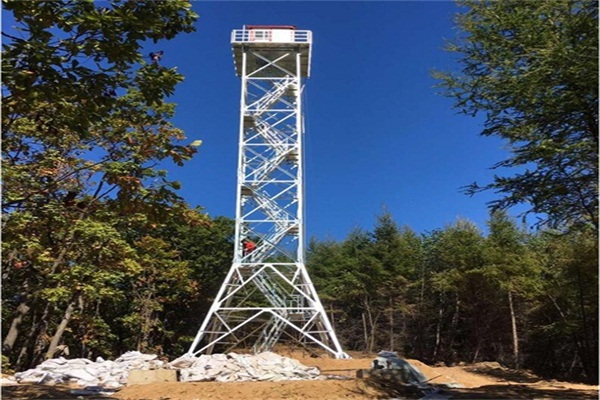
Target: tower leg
(267, 294)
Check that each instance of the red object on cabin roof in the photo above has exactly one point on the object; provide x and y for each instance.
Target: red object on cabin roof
(251, 27)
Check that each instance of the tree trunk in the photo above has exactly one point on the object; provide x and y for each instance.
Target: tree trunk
(366, 335)
(391, 324)
(589, 355)
(26, 343)
(332, 317)
(576, 340)
(60, 330)
(372, 325)
(13, 332)
(373, 322)
(450, 355)
(476, 352)
(36, 338)
(146, 328)
(438, 333)
(515, 336)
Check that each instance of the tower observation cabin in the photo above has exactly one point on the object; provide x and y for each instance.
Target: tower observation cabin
(277, 41)
(267, 296)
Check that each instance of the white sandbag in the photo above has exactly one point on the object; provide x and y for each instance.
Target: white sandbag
(80, 374)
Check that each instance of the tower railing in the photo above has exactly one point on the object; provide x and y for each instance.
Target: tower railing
(262, 35)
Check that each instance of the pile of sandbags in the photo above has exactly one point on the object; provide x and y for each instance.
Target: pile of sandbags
(84, 372)
(218, 367)
(234, 367)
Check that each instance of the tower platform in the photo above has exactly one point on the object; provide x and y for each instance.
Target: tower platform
(278, 42)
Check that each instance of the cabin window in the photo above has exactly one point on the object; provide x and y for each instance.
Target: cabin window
(260, 35)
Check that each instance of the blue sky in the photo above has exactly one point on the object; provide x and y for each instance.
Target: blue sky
(379, 135)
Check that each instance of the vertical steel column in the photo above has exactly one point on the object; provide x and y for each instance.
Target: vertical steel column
(240, 173)
(268, 295)
(300, 130)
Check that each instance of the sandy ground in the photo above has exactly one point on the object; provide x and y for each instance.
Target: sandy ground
(478, 381)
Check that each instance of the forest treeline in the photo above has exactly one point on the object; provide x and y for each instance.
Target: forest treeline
(525, 299)
(101, 255)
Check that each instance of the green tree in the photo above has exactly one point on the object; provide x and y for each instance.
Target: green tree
(531, 68)
(349, 273)
(84, 125)
(564, 322)
(207, 247)
(512, 267)
(457, 291)
(58, 286)
(361, 283)
(325, 262)
(364, 283)
(399, 251)
(159, 279)
(82, 113)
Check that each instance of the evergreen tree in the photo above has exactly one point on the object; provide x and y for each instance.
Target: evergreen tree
(513, 269)
(531, 68)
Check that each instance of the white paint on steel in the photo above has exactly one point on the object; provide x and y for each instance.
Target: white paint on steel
(269, 291)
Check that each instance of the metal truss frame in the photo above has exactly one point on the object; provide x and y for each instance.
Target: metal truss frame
(267, 294)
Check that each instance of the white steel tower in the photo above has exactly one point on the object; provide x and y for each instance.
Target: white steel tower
(267, 294)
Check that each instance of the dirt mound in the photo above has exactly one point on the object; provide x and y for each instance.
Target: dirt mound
(478, 381)
(325, 389)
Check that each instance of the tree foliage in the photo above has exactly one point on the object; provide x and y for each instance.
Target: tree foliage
(83, 115)
(364, 280)
(531, 68)
(84, 126)
(527, 300)
(100, 255)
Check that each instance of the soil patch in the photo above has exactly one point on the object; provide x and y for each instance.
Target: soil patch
(477, 381)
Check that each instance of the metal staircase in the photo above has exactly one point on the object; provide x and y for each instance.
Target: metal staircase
(268, 292)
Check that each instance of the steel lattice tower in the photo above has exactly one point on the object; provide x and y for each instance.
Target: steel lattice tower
(267, 294)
